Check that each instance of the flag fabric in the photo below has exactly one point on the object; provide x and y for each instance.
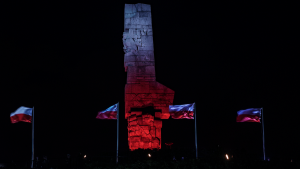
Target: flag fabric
(185, 111)
(109, 113)
(249, 115)
(21, 114)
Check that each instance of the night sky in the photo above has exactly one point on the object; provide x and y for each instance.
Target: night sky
(67, 61)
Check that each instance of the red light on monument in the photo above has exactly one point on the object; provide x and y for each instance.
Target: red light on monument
(142, 90)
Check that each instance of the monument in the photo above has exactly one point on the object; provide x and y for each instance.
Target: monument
(146, 100)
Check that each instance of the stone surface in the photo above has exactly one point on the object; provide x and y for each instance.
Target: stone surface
(142, 91)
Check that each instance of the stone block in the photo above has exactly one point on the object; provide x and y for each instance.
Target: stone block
(148, 120)
(155, 143)
(138, 7)
(143, 82)
(135, 139)
(129, 8)
(152, 85)
(141, 70)
(146, 7)
(143, 32)
(146, 48)
(148, 21)
(150, 55)
(139, 132)
(140, 88)
(145, 139)
(132, 117)
(165, 115)
(143, 14)
(131, 128)
(156, 91)
(158, 124)
(149, 32)
(150, 70)
(131, 134)
(140, 58)
(130, 15)
(138, 104)
(132, 123)
(145, 129)
(134, 21)
(147, 40)
(136, 113)
(158, 115)
(140, 120)
(129, 103)
(152, 131)
(130, 58)
(130, 64)
(132, 71)
(131, 26)
(139, 77)
(158, 132)
(144, 64)
(129, 97)
(143, 21)
(147, 26)
(127, 89)
(131, 79)
(150, 80)
(127, 21)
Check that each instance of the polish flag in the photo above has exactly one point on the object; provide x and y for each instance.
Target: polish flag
(21, 114)
(109, 113)
(184, 111)
(249, 115)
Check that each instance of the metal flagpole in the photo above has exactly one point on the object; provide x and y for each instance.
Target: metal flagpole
(195, 131)
(32, 152)
(262, 116)
(117, 155)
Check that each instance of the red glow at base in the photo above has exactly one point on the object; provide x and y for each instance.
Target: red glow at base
(144, 130)
(142, 90)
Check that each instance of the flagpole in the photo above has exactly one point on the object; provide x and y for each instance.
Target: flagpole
(32, 152)
(262, 116)
(196, 131)
(117, 155)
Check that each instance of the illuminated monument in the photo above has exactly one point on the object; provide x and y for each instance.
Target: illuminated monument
(146, 100)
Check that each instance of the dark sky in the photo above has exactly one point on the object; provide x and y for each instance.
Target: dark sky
(66, 60)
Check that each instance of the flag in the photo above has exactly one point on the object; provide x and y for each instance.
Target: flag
(109, 113)
(185, 111)
(249, 115)
(21, 114)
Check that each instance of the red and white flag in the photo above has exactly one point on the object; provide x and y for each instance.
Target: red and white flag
(21, 114)
(184, 111)
(249, 115)
(109, 113)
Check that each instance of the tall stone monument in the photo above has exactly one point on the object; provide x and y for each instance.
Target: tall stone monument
(146, 100)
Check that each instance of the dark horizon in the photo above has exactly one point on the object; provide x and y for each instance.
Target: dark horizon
(67, 61)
